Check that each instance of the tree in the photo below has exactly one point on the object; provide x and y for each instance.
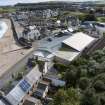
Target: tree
(84, 83)
(70, 77)
(98, 54)
(87, 17)
(66, 97)
(60, 67)
(88, 97)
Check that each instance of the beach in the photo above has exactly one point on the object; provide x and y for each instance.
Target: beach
(10, 52)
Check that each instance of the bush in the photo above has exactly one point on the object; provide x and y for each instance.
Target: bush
(60, 67)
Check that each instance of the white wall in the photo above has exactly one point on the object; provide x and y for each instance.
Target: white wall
(100, 29)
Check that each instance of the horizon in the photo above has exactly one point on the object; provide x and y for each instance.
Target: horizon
(13, 2)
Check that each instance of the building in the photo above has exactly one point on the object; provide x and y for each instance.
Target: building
(72, 21)
(79, 41)
(100, 28)
(17, 94)
(31, 33)
(46, 56)
(31, 101)
(73, 46)
(54, 81)
(42, 89)
(65, 48)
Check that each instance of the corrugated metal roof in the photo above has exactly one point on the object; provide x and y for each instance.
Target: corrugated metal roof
(67, 55)
(16, 95)
(79, 41)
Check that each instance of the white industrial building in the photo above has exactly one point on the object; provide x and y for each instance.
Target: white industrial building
(73, 46)
(79, 41)
(67, 49)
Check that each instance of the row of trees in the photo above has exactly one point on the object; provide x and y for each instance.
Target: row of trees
(87, 16)
(87, 75)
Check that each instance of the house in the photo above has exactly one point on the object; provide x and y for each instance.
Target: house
(31, 33)
(46, 56)
(54, 81)
(100, 27)
(87, 24)
(42, 89)
(17, 94)
(50, 13)
(31, 101)
(72, 21)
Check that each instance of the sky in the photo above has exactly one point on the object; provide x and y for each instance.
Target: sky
(11, 2)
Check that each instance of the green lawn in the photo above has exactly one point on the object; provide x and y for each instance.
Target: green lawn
(101, 19)
(7, 10)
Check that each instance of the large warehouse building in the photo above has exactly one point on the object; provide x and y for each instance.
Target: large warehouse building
(73, 47)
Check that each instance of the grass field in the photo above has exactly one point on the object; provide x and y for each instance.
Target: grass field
(7, 10)
(101, 19)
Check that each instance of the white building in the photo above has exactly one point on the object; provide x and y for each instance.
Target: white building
(50, 13)
(73, 46)
(32, 33)
(73, 22)
(100, 28)
(64, 49)
(42, 89)
(79, 41)
(46, 56)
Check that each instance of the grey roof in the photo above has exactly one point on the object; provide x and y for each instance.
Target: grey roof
(41, 86)
(20, 90)
(31, 100)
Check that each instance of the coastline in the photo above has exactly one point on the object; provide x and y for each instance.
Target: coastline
(3, 28)
(7, 44)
